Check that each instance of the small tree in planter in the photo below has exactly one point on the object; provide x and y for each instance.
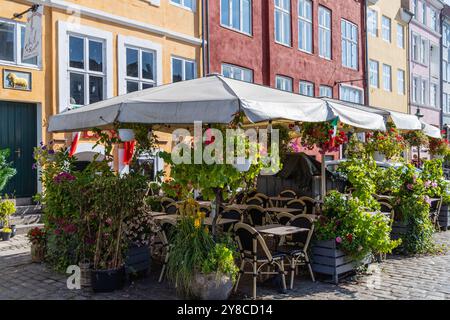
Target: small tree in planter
(347, 235)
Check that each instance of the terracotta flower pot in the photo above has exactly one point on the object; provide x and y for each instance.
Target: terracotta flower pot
(37, 253)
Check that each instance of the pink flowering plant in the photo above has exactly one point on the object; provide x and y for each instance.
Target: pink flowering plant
(355, 231)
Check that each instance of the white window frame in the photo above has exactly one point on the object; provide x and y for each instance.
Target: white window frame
(423, 91)
(283, 81)
(446, 52)
(309, 86)
(434, 97)
(434, 21)
(325, 35)
(352, 43)
(303, 45)
(400, 36)
(17, 55)
(64, 31)
(374, 73)
(423, 18)
(142, 44)
(241, 17)
(424, 51)
(182, 5)
(372, 22)
(386, 29)
(415, 89)
(324, 90)
(446, 103)
(415, 47)
(401, 82)
(183, 69)
(285, 14)
(235, 67)
(349, 87)
(387, 78)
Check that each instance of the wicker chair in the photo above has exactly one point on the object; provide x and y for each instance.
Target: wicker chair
(264, 198)
(165, 233)
(297, 204)
(256, 201)
(284, 217)
(288, 194)
(253, 250)
(435, 209)
(171, 208)
(257, 216)
(165, 202)
(230, 214)
(297, 247)
(206, 210)
(310, 204)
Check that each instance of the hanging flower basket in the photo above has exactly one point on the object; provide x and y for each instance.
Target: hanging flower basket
(389, 144)
(439, 147)
(322, 135)
(416, 138)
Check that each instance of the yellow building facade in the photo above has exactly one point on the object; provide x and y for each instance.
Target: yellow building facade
(387, 33)
(91, 50)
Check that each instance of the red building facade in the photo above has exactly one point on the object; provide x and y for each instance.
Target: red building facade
(259, 51)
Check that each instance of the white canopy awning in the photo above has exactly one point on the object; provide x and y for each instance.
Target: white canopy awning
(212, 99)
(431, 131)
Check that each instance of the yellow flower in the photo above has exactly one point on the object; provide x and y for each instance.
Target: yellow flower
(197, 223)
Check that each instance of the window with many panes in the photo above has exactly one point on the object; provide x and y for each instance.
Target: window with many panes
(326, 91)
(187, 4)
(305, 25)
(324, 33)
(446, 52)
(349, 44)
(12, 38)
(87, 74)
(400, 36)
(140, 65)
(423, 91)
(387, 77)
(434, 20)
(414, 8)
(283, 22)
(415, 90)
(307, 88)
(350, 94)
(401, 82)
(283, 83)
(183, 69)
(238, 73)
(415, 51)
(423, 51)
(236, 15)
(373, 73)
(433, 95)
(386, 28)
(446, 103)
(372, 22)
(424, 13)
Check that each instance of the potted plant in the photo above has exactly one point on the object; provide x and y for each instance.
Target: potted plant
(385, 145)
(347, 236)
(7, 208)
(201, 267)
(37, 237)
(138, 231)
(323, 135)
(416, 138)
(439, 147)
(6, 233)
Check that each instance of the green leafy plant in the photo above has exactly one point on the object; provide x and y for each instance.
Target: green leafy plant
(323, 136)
(7, 208)
(356, 232)
(416, 138)
(389, 143)
(221, 260)
(6, 171)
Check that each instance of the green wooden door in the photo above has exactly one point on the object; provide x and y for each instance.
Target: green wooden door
(18, 134)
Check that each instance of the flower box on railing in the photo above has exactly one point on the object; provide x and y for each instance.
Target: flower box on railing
(329, 260)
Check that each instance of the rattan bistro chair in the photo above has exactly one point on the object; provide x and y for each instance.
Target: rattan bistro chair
(284, 217)
(230, 214)
(435, 209)
(165, 233)
(288, 194)
(297, 247)
(297, 204)
(264, 198)
(257, 216)
(310, 204)
(165, 202)
(253, 250)
(171, 208)
(256, 201)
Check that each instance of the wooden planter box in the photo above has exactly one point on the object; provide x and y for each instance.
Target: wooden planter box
(137, 260)
(328, 259)
(444, 217)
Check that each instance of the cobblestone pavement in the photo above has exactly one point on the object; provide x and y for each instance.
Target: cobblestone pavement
(423, 277)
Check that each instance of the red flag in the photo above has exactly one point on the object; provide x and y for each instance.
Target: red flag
(73, 146)
(128, 151)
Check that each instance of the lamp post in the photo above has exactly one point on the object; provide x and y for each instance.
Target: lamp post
(419, 116)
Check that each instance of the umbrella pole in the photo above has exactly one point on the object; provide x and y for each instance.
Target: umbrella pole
(323, 178)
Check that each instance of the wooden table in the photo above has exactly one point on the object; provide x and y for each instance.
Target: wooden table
(280, 230)
(240, 207)
(277, 200)
(157, 214)
(281, 209)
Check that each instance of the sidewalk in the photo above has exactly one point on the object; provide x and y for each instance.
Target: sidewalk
(426, 277)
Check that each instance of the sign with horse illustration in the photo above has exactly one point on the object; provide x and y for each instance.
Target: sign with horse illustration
(16, 80)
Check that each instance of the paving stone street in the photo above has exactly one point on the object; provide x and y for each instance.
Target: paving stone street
(423, 277)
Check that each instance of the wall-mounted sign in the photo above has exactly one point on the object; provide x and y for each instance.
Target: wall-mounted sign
(18, 80)
(33, 34)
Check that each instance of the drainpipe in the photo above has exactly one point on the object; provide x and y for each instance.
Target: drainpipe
(208, 52)
(203, 40)
(408, 66)
(366, 56)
